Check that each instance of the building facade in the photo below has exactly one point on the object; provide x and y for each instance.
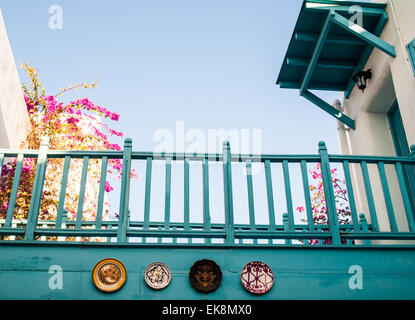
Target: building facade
(365, 51)
(384, 113)
(386, 109)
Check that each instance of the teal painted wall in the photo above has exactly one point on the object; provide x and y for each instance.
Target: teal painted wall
(301, 273)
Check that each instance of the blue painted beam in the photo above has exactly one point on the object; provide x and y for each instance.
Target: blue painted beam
(330, 64)
(344, 8)
(312, 86)
(411, 52)
(349, 3)
(329, 109)
(363, 34)
(337, 39)
(316, 53)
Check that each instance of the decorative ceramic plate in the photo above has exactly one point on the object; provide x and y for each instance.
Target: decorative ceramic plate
(109, 275)
(205, 275)
(257, 277)
(157, 275)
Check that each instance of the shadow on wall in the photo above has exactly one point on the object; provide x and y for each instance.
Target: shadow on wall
(13, 112)
(4, 138)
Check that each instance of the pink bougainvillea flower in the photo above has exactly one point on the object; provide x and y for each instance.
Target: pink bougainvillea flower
(78, 125)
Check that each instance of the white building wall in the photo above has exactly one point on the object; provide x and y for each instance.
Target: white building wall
(13, 112)
(14, 120)
(403, 76)
(392, 78)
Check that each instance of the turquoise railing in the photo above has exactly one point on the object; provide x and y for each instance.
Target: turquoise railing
(123, 230)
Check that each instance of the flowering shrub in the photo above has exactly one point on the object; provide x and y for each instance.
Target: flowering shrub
(318, 200)
(76, 125)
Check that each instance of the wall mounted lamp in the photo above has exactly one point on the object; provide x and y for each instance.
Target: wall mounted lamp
(361, 78)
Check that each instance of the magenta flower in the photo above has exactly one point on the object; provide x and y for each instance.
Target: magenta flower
(108, 187)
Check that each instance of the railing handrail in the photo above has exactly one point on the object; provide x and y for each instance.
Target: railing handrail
(229, 231)
(142, 155)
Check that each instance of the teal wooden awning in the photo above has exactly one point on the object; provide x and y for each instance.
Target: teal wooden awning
(327, 47)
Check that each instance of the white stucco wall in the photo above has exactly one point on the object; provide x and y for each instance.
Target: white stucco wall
(13, 112)
(392, 79)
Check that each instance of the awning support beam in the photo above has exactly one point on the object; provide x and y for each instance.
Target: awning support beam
(316, 53)
(363, 34)
(329, 109)
(311, 67)
(358, 31)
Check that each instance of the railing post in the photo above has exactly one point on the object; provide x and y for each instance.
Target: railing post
(411, 168)
(206, 210)
(37, 190)
(63, 224)
(228, 199)
(365, 227)
(411, 173)
(125, 191)
(329, 194)
(286, 224)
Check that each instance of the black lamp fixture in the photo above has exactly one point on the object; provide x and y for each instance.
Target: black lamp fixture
(361, 78)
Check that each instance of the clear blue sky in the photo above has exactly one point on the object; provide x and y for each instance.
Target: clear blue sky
(210, 63)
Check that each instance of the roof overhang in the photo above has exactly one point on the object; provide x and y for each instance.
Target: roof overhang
(329, 45)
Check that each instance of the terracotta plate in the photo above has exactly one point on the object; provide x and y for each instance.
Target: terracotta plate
(205, 275)
(257, 277)
(157, 275)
